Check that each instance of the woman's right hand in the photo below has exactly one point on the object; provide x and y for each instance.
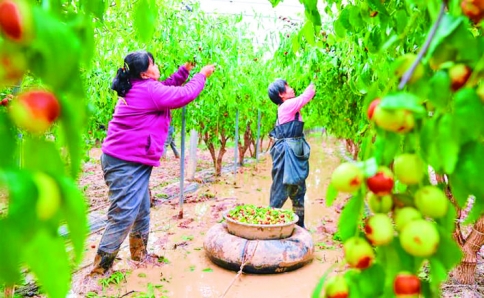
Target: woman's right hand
(312, 86)
(207, 70)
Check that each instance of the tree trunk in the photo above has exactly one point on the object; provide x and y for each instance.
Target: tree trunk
(269, 144)
(243, 147)
(9, 292)
(352, 148)
(465, 272)
(221, 152)
(206, 139)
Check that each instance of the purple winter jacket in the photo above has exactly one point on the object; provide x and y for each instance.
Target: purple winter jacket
(139, 126)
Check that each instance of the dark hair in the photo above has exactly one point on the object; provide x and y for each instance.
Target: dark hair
(277, 87)
(134, 64)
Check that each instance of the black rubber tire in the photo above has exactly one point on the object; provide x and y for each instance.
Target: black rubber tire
(261, 256)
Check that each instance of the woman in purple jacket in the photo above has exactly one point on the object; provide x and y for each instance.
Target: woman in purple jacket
(133, 146)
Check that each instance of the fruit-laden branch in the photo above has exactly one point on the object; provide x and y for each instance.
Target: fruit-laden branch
(406, 77)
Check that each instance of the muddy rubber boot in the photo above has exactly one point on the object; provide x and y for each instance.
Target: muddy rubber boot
(137, 246)
(103, 262)
(300, 213)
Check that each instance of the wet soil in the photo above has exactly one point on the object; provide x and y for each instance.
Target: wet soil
(183, 269)
(186, 270)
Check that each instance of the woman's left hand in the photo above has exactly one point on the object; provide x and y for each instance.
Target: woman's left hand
(189, 65)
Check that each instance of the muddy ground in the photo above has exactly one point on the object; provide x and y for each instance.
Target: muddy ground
(186, 271)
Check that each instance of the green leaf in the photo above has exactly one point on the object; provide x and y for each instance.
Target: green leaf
(438, 274)
(22, 201)
(401, 20)
(448, 24)
(466, 179)
(96, 7)
(311, 11)
(68, 134)
(378, 6)
(46, 256)
(448, 221)
(350, 217)
(428, 144)
(295, 45)
(74, 209)
(331, 194)
(449, 254)
(274, 2)
(469, 112)
(7, 142)
(10, 250)
(344, 19)
(207, 270)
(54, 54)
(403, 100)
(389, 42)
(319, 287)
(355, 18)
(145, 19)
(308, 31)
(42, 155)
(371, 281)
(339, 29)
(369, 166)
(439, 94)
(468, 49)
(374, 40)
(387, 145)
(447, 142)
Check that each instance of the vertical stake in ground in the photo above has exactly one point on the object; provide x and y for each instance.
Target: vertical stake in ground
(182, 164)
(257, 142)
(236, 144)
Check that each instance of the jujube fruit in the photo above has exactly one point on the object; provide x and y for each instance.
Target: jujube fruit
(405, 215)
(49, 196)
(380, 204)
(382, 182)
(420, 238)
(13, 65)
(35, 110)
(336, 287)
(406, 285)
(459, 74)
(409, 168)
(16, 20)
(431, 201)
(379, 229)
(371, 108)
(347, 177)
(358, 253)
(473, 9)
(395, 120)
(403, 63)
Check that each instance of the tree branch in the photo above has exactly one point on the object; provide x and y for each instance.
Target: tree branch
(408, 74)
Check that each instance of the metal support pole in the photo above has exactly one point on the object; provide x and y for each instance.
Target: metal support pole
(182, 164)
(258, 136)
(236, 141)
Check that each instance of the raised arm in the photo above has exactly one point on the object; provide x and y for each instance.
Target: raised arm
(178, 78)
(173, 97)
(295, 105)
